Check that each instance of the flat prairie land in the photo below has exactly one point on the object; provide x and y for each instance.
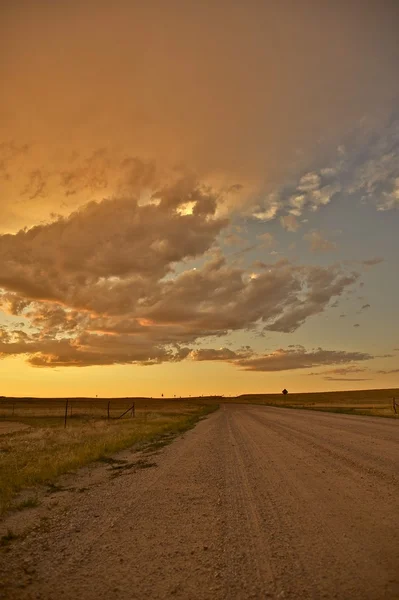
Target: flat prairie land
(7, 427)
(377, 403)
(36, 447)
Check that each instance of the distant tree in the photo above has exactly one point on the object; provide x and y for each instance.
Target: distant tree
(285, 392)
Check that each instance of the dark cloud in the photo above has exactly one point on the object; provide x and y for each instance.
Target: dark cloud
(346, 370)
(101, 286)
(222, 354)
(299, 358)
(103, 170)
(372, 261)
(221, 297)
(322, 283)
(363, 308)
(71, 258)
(342, 373)
(347, 378)
(36, 185)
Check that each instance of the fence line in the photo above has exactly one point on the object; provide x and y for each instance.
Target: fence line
(66, 413)
(66, 408)
(131, 410)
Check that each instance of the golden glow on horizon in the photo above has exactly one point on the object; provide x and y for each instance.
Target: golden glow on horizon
(191, 378)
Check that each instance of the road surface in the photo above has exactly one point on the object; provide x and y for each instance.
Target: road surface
(255, 502)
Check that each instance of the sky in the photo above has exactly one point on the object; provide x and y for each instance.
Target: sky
(198, 198)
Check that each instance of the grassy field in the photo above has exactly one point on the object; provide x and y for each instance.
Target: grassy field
(377, 403)
(44, 449)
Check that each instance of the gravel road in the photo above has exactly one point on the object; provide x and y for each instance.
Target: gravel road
(255, 502)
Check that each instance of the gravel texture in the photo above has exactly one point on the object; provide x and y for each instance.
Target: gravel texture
(255, 502)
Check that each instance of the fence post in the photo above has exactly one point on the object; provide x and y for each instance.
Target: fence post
(394, 405)
(13, 408)
(133, 410)
(109, 402)
(66, 413)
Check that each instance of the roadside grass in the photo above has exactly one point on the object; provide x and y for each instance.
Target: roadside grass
(40, 454)
(375, 403)
(365, 411)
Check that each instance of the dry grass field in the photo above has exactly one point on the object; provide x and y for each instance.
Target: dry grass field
(35, 447)
(376, 403)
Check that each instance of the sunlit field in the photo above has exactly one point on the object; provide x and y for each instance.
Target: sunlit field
(376, 403)
(36, 446)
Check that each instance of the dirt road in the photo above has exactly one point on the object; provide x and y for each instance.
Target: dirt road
(255, 502)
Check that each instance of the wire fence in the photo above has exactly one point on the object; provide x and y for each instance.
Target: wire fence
(67, 408)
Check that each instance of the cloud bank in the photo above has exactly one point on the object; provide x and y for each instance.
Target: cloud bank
(111, 283)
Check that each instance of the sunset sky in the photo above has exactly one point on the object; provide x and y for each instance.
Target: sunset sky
(198, 197)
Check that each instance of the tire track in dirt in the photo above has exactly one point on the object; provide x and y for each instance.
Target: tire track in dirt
(289, 566)
(275, 541)
(340, 452)
(300, 532)
(242, 511)
(349, 518)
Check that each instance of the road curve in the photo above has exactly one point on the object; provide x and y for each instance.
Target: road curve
(255, 502)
